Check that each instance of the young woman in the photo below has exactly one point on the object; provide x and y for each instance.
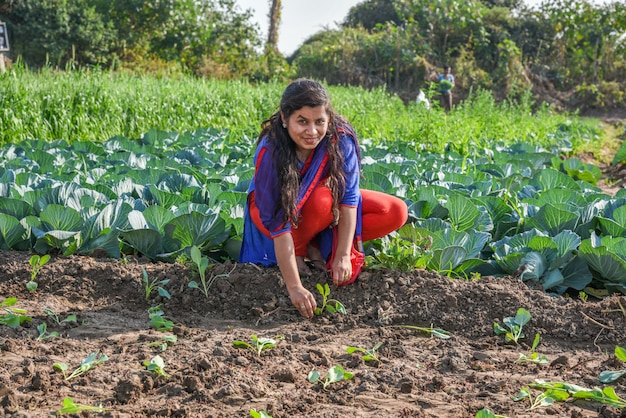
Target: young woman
(304, 200)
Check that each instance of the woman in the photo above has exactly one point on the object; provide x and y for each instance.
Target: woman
(304, 200)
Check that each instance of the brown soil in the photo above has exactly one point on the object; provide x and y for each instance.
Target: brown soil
(418, 375)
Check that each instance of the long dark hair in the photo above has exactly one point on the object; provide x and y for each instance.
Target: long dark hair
(304, 92)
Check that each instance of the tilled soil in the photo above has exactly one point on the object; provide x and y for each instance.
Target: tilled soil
(418, 375)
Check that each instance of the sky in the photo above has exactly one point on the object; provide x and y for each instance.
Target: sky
(302, 18)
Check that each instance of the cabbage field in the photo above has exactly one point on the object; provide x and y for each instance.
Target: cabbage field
(503, 295)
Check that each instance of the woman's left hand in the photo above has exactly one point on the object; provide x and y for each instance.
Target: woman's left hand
(341, 270)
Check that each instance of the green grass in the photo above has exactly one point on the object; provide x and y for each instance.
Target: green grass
(87, 105)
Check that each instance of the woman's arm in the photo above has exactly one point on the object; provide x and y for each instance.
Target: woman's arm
(301, 298)
(341, 270)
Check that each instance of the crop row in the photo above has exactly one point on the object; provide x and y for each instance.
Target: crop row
(517, 209)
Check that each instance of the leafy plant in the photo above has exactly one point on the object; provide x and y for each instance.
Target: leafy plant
(257, 345)
(13, 317)
(156, 365)
(158, 321)
(560, 391)
(202, 263)
(70, 407)
(163, 342)
(36, 262)
(259, 414)
(335, 374)
(53, 315)
(533, 356)
(43, 333)
(435, 332)
(608, 376)
(88, 363)
(150, 285)
(486, 413)
(513, 331)
(401, 251)
(331, 305)
(368, 354)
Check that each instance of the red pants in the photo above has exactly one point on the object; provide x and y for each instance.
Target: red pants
(382, 214)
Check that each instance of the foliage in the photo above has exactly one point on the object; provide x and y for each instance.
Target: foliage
(12, 317)
(331, 305)
(55, 317)
(36, 262)
(259, 414)
(335, 374)
(42, 329)
(156, 365)
(257, 345)
(369, 354)
(158, 320)
(608, 376)
(149, 285)
(435, 332)
(92, 360)
(533, 356)
(486, 413)
(512, 329)
(560, 392)
(71, 407)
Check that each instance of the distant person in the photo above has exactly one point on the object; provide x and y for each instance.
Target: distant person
(304, 200)
(446, 84)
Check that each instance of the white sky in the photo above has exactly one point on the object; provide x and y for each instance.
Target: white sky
(302, 18)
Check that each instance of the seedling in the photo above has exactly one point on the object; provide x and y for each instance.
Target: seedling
(486, 413)
(43, 332)
(36, 262)
(259, 414)
(514, 325)
(70, 407)
(257, 345)
(560, 391)
(435, 332)
(13, 317)
(368, 354)
(157, 320)
(533, 356)
(156, 365)
(57, 320)
(150, 285)
(331, 305)
(609, 376)
(163, 342)
(88, 363)
(202, 263)
(334, 374)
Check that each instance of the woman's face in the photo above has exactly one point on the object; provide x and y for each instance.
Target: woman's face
(307, 127)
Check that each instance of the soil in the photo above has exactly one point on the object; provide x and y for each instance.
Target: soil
(418, 375)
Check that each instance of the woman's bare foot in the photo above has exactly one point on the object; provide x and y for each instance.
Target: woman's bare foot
(315, 258)
(303, 268)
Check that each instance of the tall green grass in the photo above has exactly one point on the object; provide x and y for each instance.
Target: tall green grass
(87, 105)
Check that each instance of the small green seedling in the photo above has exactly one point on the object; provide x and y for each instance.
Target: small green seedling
(70, 407)
(57, 320)
(368, 354)
(435, 332)
(533, 356)
(157, 320)
(560, 391)
(150, 285)
(202, 263)
(609, 376)
(334, 374)
(42, 329)
(156, 365)
(36, 262)
(257, 345)
(514, 324)
(163, 342)
(13, 317)
(486, 413)
(259, 414)
(331, 305)
(88, 363)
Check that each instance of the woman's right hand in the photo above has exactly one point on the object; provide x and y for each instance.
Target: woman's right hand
(303, 300)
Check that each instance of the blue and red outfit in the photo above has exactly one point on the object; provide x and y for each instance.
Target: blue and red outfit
(264, 215)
